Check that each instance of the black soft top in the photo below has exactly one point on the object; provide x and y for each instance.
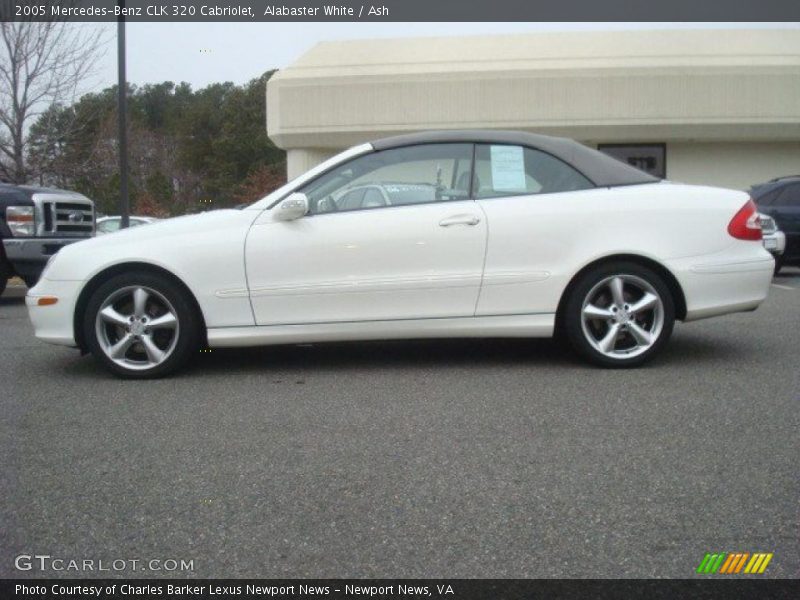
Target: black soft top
(599, 168)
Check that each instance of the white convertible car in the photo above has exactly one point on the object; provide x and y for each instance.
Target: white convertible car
(445, 234)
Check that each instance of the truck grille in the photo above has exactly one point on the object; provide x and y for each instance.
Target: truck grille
(68, 218)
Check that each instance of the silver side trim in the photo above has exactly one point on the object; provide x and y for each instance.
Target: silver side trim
(456, 280)
(232, 293)
(371, 285)
(514, 277)
(515, 326)
(758, 264)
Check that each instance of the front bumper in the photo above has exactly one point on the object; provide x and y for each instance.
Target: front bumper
(28, 256)
(54, 323)
(775, 243)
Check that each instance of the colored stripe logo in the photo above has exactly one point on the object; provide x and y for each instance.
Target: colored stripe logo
(732, 563)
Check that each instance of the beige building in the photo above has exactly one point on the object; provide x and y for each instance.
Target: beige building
(719, 107)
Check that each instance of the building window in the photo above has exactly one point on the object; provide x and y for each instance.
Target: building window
(650, 158)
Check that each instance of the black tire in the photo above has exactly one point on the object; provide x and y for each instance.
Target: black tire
(778, 264)
(159, 288)
(660, 319)
(5, 274)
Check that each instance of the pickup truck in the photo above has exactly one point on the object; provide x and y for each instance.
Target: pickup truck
(36, 222)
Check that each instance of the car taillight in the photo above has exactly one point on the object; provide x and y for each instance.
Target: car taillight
(745, 224)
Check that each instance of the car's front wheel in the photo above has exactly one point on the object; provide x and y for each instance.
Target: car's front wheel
(619, 315)
(141, 325)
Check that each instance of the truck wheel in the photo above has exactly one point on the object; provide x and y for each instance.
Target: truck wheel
(619, 315)
(778, 264)
(141, 325)
(5, 273)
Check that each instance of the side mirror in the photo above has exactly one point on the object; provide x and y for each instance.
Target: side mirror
(292, 207)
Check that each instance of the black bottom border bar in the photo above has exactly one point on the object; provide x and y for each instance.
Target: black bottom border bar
(391, 589)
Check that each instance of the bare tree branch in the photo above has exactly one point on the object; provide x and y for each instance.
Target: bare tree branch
(41, 64)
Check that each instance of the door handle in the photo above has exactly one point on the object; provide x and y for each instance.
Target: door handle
(460, 220)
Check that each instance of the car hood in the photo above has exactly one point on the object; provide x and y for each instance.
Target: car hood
(164, 242)
(204, 221)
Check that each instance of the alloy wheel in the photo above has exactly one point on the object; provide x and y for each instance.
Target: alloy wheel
(137, 327)
(622, 316)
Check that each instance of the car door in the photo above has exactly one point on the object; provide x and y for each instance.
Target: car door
(785, 209)
(528, 197)
(419, 257)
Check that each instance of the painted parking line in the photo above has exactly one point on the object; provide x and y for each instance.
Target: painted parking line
(783, 287)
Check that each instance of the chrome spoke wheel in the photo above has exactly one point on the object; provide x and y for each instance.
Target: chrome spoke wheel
(137, 327)
(622, 316)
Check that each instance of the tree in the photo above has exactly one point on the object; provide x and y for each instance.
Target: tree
(75, 147)
(189, 150)
(41, 65)
(261, 181)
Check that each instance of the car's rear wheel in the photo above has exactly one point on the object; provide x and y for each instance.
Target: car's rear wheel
(141, 325)
(619, 315)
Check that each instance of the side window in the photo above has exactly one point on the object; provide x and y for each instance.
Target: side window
(396, 177)
(506, 170)
(790, 196)
(373, 198)
(351, 200)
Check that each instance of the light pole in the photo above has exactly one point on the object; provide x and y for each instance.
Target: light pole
(122, 115)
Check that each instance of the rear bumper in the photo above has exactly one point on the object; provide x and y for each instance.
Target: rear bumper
(54, 323)
(717, 287)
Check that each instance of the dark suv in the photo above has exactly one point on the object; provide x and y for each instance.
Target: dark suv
(780, 199)
(35, 223)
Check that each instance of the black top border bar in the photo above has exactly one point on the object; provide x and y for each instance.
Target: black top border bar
(401, 10)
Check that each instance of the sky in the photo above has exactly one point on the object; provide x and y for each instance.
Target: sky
(204, 53)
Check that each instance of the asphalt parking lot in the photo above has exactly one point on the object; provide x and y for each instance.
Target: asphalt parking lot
(410, 459)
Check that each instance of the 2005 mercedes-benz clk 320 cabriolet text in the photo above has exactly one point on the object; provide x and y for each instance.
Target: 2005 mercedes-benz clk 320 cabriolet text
(446, 234)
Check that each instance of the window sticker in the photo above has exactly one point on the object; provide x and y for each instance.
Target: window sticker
(508, 168)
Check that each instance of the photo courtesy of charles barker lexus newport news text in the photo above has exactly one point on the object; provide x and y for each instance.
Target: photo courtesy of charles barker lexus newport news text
(400, 300)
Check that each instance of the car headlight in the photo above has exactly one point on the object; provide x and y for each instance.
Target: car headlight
(20, 220)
